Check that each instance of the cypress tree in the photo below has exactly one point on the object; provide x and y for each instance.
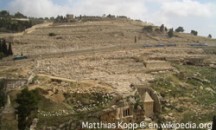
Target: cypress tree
(4, 47)
(27, 107)
(170, 33)
(209, 36)
(10, 52)
(162, 28)
(1, 50)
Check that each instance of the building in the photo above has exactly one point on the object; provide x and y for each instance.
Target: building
(133, 111)
(121, 112)
(148, 104)
(21, 19)
(70, 18)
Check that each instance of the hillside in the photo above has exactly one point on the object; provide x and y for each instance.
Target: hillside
(92, 35)
(84, 68)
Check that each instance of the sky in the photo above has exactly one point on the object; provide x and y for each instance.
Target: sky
(198, 15)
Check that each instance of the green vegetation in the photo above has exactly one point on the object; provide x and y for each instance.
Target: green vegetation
(52, 34)
(191, 116)
(193, 85)
(170, 33)
(148, 29)
(27, 109)
(209, 36)
(162, 28)
(210, 50)
(2, 94)
(5, 50)
(203, 80)
(53, 121)
(193, 32)
(214, 123)
(49, 106)
(179, 29)
(95, 100)
(13, 23)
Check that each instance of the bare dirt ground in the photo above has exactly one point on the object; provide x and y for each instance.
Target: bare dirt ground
(103, 57)
(101, 50)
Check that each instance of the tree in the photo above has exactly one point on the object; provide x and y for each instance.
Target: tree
(165, 29)
(135, 39)
(59, 18)
(1, 47)
(19, 15)
(179, 29)
(10, 52)
(209, 36)
(148, 28)
(195, 33)
(4, 13)
(12, 25)
(4, 47)
(170, 33)
(2, 93)
(162, 28)
(27, 107)
(52, 34)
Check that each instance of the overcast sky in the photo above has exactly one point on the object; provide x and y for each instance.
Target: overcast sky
(199, 15)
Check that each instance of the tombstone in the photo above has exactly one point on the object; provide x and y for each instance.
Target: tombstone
(135, 39)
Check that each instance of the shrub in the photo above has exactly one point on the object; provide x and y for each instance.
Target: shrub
(27, 107)
(162, 28)
(179, 29)
(148, 29)
(170, 33)
(52, 34)
(209, 36)
(1, 55)
(2, 94)
(195, 33)
(5, 50)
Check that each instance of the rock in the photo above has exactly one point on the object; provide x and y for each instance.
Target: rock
(206, 81)
(170, 114)
(210, 90)
(168, 105)
(30, 79)
(167, 109)
(148, 120)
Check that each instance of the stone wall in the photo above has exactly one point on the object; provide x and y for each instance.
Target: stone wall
(14, 84)
(157, 65)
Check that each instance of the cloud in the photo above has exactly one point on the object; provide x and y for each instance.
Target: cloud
(47, 8)
(187, 8)
(134, 9)
(38, 8)
(191, 14)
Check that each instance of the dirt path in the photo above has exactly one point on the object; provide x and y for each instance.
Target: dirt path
(27, 31)
(33, 28)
